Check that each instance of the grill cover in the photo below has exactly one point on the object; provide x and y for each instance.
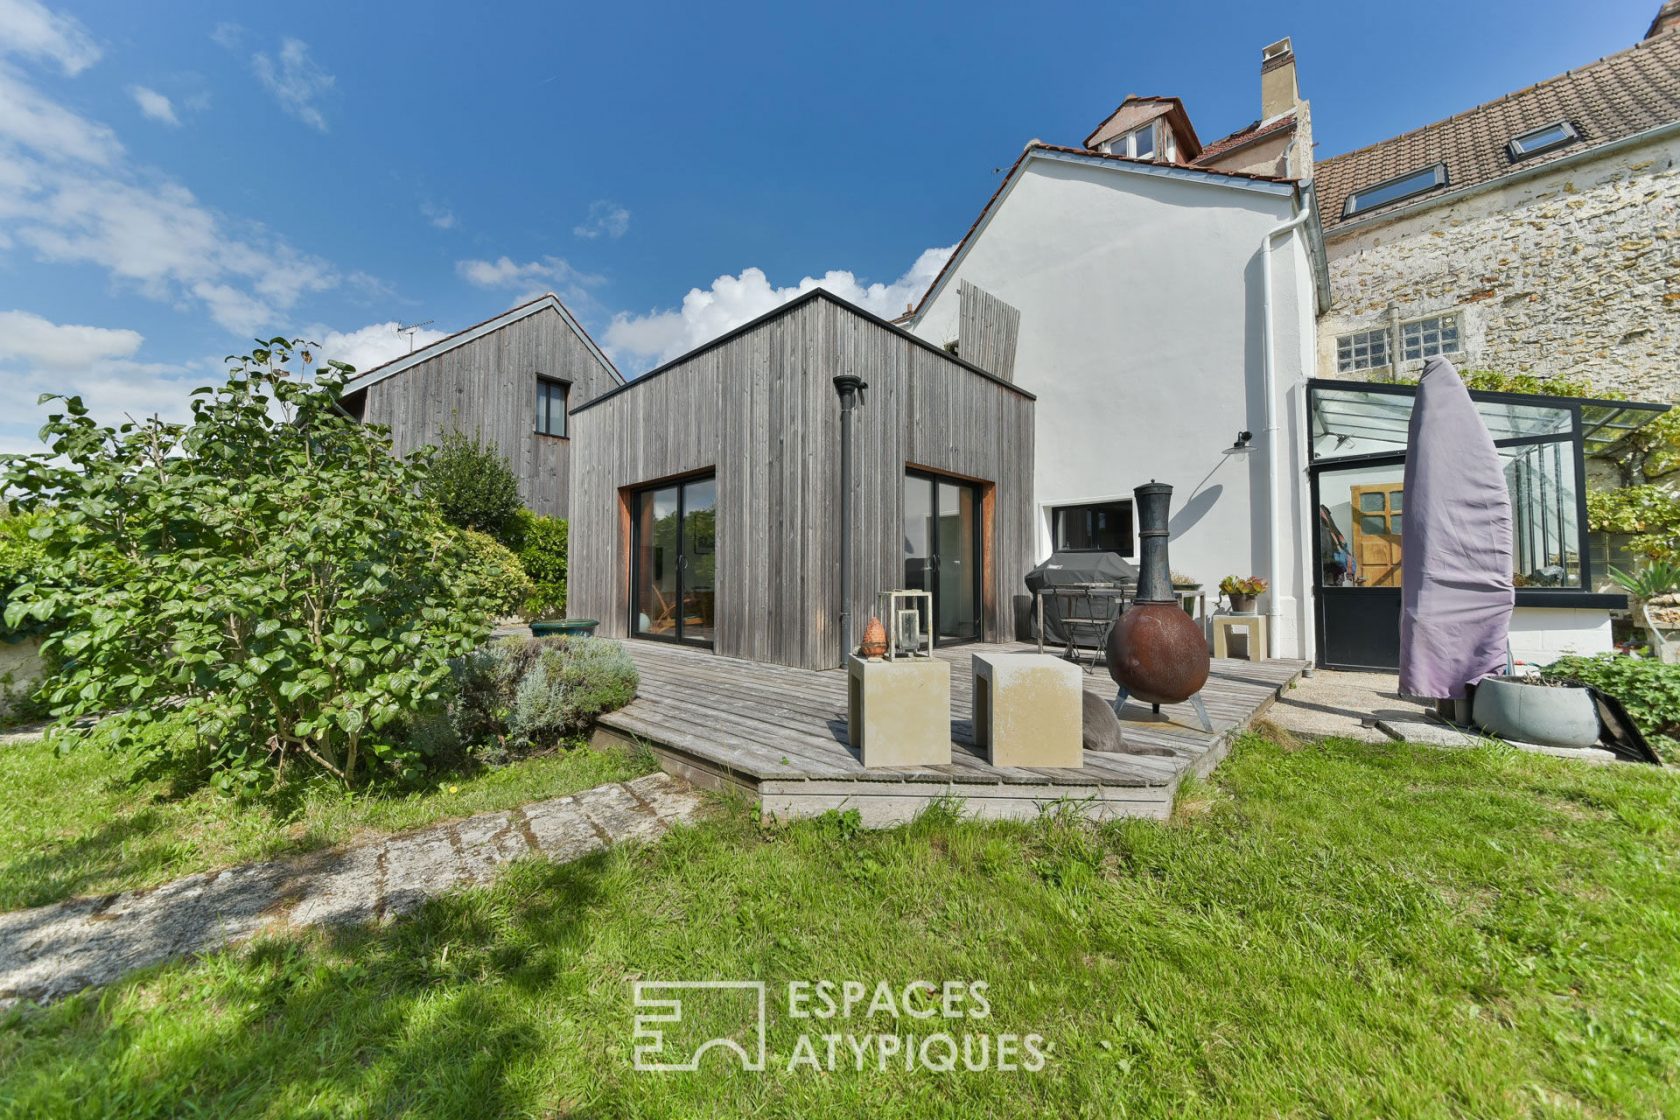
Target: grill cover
(1065, 569)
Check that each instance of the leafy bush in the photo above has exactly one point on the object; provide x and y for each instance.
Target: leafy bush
(20, 555)
(269, 568)
(474, 487)
(1648, 689)
(1651, 511)
(524, 694)
(492, 572)
(571, 683)
(542, 550)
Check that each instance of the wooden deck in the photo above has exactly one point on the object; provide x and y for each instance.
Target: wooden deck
(779, 735)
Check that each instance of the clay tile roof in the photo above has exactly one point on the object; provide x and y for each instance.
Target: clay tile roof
(1615, 97)
(1242, 136)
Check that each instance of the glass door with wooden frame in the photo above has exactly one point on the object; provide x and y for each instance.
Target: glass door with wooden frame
(674, 562)
(942, 544)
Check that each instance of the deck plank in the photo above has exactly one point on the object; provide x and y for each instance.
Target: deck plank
(783, 729)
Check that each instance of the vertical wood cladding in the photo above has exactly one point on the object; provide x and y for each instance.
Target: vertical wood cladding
(487, 389)
(759, 408)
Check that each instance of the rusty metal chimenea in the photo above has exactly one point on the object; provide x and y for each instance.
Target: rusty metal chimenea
(1156, 652)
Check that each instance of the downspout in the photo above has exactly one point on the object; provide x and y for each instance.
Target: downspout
(850, 387)
(1268, 385)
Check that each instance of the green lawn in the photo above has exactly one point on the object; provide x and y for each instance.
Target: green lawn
(1334, 930)
(83, 823)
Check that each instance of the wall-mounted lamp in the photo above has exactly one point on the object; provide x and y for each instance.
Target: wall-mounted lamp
(1242, 440)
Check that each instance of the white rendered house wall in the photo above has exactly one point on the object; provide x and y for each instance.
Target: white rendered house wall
(1141, 334)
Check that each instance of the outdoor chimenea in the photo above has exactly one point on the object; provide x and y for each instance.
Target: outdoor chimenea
(1156, 652)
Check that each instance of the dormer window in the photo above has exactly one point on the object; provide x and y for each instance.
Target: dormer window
(1154, 141)
(1544, 139)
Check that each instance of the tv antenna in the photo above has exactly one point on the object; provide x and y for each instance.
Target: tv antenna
(411, 329)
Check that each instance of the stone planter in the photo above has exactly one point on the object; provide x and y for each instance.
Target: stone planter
(1242, 604)
(1535, 713)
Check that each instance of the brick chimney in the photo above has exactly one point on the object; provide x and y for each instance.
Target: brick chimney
(1278, 92)
(1668, 18)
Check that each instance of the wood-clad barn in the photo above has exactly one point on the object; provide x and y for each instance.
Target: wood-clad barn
(508, 382)
(705, 495)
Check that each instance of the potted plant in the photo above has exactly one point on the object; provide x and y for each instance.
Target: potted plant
(1242, 591)
(1536, 709)
(1186, 588)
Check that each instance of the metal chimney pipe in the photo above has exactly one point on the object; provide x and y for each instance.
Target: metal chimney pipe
(850, 387)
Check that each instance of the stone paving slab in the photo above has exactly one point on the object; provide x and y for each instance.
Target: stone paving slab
(52, 951)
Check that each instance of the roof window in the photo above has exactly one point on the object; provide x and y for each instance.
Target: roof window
(1543, 139)
(1395, 189)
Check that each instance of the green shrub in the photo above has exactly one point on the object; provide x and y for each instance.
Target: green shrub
(571, 683)
(474, 487)
(522, 694)
(542, 550)
(20, 555)
(269, 568)
(1648, 689)
(491, 572)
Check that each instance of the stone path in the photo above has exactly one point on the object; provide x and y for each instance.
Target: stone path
(51, 951)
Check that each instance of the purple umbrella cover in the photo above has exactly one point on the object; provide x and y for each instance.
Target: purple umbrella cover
(1456, 593)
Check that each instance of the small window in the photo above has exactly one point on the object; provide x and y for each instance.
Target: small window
(1541, 140)
(1100, 527)
(1362, 350)
(1425, 338)
(1143, 142)
(1393, 190)
(551, 407)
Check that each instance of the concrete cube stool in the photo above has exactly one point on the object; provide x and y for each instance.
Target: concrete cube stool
(1254, 625)
(899, 712)
(1028, 710)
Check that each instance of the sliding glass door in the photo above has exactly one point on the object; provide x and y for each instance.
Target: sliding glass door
(942, 551)
(674, 567)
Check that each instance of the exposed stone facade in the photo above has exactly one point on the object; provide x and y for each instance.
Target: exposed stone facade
(1574, 272)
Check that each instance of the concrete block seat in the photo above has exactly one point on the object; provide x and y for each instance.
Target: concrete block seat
(1028, 709)
(898, 713)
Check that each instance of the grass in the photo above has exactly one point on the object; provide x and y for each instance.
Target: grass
(88, 823)
(1335, 930)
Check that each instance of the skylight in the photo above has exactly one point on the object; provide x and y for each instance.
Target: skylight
(1393, 190)
(1542, 139)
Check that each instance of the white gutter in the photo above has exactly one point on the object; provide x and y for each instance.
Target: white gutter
(1268, 389)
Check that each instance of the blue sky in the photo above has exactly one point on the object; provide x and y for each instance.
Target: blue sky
(176, 177)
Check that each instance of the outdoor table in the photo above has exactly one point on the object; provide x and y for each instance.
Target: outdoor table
(1093, 606)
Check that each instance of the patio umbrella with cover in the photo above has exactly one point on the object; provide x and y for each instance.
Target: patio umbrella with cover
(1456, 591)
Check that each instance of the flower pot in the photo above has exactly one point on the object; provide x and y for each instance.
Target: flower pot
(1242, 604)
(1534, 713)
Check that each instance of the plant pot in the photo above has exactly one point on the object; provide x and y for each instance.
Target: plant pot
(564, 627)
(1534, 713)
(1242, 604)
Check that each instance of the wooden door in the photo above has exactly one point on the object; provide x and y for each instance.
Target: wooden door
(1376, 534)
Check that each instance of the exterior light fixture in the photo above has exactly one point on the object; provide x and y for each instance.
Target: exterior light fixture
(1243, 438)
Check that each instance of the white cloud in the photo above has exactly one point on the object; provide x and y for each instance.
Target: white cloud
(642, 341)
(68, 195)
(28, 28)
(605, 217)
(95, 363)
(34, 120)
(154, 105)
(295, 81)
(227, 35)
(533, 278)
(28, 339)
(372, 345)
(441, 217)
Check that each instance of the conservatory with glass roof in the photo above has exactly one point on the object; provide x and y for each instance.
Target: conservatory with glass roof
(1358, 433)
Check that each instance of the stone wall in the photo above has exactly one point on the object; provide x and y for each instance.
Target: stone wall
(1574, 272)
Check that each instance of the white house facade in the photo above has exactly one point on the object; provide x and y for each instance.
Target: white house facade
(1167, 328)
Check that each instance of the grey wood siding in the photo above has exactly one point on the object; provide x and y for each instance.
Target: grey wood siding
(760, 410)
(987, 329)
(487, 388)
